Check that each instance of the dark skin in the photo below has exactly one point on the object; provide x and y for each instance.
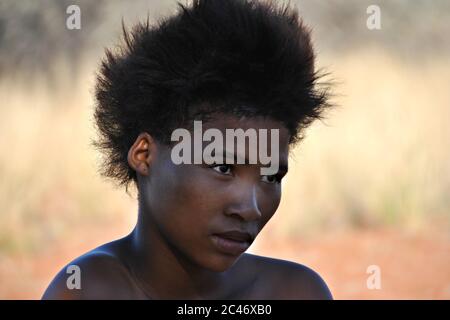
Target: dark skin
(170, 255)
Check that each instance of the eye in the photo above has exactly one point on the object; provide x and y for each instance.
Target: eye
(222, 168)
(272, 179)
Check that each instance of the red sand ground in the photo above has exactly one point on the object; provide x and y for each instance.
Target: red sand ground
(413, 266)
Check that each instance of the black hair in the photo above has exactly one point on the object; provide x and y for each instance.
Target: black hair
(232, 56)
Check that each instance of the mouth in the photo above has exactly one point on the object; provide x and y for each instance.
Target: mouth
(232, 242)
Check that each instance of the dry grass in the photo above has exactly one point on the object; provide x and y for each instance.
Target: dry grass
(382, 158)
(49, 184)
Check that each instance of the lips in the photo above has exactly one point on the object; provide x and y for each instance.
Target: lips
(232, 242)
(236, 236)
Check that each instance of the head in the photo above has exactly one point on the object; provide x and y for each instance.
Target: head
(230, 64)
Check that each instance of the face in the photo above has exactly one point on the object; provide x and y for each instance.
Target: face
(212, 212)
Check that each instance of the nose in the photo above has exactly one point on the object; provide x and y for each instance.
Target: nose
(244, 204)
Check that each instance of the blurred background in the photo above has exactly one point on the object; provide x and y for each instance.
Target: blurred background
(370, 185)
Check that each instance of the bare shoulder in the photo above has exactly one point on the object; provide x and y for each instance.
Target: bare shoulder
(98, 274)
(289, 280)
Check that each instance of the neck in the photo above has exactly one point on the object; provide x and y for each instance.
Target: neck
(165, 273)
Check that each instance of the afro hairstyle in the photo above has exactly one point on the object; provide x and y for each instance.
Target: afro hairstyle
(239, 57)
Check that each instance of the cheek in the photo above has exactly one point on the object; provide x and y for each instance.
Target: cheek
(195, 190)
(185, 196)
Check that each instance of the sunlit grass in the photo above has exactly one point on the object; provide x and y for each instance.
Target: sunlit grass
(382, 158)
(49, 186)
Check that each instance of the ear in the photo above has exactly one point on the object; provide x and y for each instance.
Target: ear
(142, 153)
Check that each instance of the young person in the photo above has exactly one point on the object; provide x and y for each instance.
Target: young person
(227, 64)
